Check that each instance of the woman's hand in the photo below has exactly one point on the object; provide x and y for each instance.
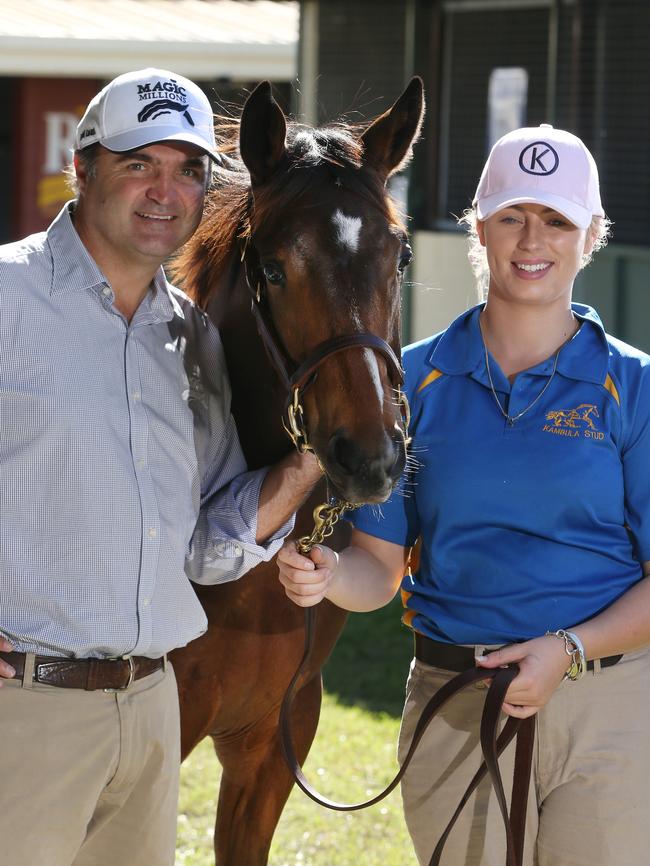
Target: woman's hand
(306, 579)
(542, 665)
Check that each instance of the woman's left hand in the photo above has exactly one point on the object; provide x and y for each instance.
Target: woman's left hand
(542, 665)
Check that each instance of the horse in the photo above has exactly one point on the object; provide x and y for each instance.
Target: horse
(301, 226)
(568, 417)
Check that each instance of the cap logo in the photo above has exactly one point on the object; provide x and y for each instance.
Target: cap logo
(174, 99)
(539, 158)
(163, 106)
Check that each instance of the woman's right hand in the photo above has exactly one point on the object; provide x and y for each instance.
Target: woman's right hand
(306, 579)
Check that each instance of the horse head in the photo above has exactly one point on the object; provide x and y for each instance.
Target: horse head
(324, 251)
(330, 265)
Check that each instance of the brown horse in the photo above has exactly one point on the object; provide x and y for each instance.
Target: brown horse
(324, 249)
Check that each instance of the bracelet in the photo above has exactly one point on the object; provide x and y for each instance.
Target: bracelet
(573, 647)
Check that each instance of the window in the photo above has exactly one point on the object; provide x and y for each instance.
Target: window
(507, 101)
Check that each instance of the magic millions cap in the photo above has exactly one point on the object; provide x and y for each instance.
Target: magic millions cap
(145, 107)
(540, 165)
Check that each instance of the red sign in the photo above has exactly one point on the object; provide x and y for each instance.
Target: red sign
(48, 112)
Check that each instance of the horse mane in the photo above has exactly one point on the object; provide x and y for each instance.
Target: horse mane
(333, 151)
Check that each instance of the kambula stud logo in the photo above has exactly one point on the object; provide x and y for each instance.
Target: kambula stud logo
(539, 158)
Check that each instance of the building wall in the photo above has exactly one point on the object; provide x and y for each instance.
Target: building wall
(361, 57)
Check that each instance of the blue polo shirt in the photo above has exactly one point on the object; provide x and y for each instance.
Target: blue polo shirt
(527, 527)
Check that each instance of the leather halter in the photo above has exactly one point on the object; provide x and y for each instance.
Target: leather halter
(298, 376)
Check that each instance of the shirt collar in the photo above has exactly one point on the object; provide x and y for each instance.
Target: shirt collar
(460, 351)
(74, 269)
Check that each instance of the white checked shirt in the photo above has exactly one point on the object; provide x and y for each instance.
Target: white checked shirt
(115, 438)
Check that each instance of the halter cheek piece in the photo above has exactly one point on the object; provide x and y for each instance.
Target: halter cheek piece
(297, 377)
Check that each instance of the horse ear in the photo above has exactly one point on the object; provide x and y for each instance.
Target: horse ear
(387, 141)
(262, 134)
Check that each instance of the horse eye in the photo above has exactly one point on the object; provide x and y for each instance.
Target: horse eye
(273, 273)
(405, 259)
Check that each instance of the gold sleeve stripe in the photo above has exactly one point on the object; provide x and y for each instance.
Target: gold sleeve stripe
(433, 375)
(611, 387)
(408, 615)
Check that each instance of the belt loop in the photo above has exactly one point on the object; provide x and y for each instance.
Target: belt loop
(164, 661)
(597, 666)
(28, 671)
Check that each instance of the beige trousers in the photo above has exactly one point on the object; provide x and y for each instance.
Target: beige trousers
(89, 778)
(588, 802)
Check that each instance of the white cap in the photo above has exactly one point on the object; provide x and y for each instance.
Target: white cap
(145, 107)
(540, 165)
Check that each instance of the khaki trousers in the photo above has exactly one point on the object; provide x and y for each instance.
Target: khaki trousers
(588, 800)
(89, 778)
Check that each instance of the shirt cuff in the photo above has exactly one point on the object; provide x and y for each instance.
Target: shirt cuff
(223, 546)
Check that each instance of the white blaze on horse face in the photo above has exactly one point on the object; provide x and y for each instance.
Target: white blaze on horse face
(373, 367)
(348, 230)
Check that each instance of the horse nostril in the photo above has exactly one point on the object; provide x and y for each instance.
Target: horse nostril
(345, 453)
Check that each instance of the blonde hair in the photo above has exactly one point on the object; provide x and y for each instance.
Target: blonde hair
(600, 231)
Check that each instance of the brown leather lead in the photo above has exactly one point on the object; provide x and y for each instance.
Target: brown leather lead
(491, 744)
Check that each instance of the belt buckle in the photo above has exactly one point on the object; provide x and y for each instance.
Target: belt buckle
(129, 683)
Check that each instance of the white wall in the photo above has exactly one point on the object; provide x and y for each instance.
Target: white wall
(442, 283)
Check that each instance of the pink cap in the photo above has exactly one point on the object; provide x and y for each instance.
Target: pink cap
(540, 165)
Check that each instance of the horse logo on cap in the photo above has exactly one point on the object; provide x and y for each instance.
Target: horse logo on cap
(163, 106)
(539, 158)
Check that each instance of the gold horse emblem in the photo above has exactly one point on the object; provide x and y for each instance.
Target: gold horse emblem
(571, 417)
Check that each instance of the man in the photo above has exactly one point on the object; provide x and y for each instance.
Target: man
(121, 475)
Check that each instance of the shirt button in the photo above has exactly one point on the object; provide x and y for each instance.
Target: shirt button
(237, 550)
(141, 461)
(151, 532)
(146, 602)
(136, 395)
(106, 292)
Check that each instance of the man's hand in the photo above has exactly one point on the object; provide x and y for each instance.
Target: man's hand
(6, 671)
(542, 665)
(306, 579)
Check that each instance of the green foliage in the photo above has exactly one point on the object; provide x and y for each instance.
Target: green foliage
(352, 758)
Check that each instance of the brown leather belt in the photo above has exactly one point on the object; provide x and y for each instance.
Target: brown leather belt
(451, 657)
(88, 674)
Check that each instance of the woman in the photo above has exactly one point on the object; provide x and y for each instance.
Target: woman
(531, 428)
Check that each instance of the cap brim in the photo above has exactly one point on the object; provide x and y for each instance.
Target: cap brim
(579, 216)
(135, 138)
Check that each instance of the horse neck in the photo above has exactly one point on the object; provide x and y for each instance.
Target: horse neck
(257, 396)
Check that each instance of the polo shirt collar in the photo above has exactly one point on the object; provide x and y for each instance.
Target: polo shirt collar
(586, 356)
(74, 269)
(460, 350)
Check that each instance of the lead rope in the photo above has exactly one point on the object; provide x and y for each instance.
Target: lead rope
(325, 517)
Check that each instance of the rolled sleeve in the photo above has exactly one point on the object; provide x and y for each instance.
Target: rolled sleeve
(223, 546)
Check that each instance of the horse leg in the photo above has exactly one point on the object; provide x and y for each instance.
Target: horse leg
(256, 781)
